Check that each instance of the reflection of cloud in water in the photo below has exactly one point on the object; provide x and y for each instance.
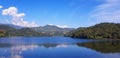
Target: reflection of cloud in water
(16, 56)
(17, 50)
(61, 45)
(24, 47)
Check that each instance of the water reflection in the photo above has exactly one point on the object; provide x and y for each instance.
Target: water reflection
(15, 51)
(53, 45)
(102, 49)
(104, 46)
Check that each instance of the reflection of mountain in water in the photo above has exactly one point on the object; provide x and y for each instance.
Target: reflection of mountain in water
(5, 45)
(53, 45)
(105, 47)
(17, 50)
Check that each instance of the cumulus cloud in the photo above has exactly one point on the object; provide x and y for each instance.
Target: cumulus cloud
(109, 11)
(1, 6)
(17, 18)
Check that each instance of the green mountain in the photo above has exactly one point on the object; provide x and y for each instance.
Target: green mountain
(48, 30)
(11, 30)
(98, 31)
(52, 30)
(6, 30)
(6, 27)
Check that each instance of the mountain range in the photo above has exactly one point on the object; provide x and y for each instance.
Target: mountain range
(47, 30)
(52, 29)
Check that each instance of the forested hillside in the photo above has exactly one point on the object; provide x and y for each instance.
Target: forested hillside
(98, 31)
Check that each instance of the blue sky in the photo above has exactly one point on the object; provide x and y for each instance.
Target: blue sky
(71, 13)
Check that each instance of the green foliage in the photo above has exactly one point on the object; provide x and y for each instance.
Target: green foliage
(99, 31)
(23, 32)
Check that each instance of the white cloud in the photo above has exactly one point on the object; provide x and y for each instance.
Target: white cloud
(64, 26)
(17, 18)
(109, 11)
(51, 24)
(1, 6)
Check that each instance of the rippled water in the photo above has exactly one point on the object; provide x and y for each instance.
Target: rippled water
(58, 47)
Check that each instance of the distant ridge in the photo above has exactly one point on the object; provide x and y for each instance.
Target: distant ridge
(14, 26)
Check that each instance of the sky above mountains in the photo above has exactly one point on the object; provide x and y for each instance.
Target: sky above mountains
(63, 13)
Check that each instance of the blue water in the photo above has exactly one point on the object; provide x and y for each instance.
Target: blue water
(56, 47)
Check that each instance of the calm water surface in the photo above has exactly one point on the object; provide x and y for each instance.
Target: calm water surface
(58, 47)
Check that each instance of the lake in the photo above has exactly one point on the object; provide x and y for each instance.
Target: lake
(58, 47)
